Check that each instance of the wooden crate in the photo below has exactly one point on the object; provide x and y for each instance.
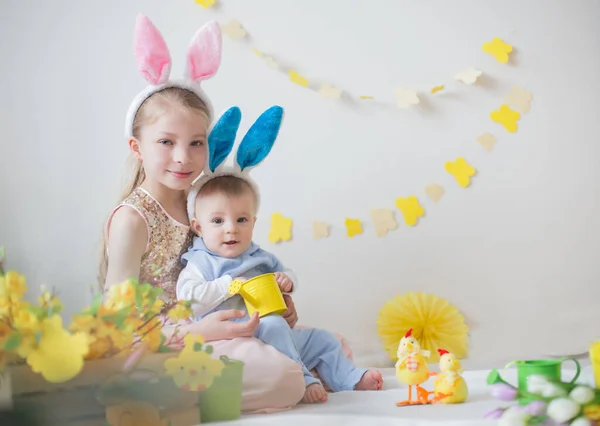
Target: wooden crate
(76, 402)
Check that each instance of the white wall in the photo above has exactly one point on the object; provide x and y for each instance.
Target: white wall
(516, 252)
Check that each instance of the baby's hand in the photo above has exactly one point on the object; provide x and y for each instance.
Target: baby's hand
(285, 283)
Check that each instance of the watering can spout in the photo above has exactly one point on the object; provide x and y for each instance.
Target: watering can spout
(494, 378)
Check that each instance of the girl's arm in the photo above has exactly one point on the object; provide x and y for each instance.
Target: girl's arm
(127, 241)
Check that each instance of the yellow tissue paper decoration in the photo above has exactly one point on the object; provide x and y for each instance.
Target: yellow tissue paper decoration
(320, 230)
(468, 76)
(384, 221)
(506, 117)
(434, 192)
(233, 29)
(520, 99)
(410, 208)
(205, 3)
(281, 228)
(498, 48)
(59, 354)
(487, 141)
(434, 321)
(366, 97)
(461, 170)
(298, 79)
(353, 227)
(329, 91)
(436, 89)
(258, 52)
(405, 97)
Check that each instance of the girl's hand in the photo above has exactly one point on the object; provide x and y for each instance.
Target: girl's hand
(291, 316)
(216, 326)
(285, 283)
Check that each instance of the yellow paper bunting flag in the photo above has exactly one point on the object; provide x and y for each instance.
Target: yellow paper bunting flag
(410, 208)
(281, 228)
(506, 117)
(353, 227)
(461, 170)
(384, 221)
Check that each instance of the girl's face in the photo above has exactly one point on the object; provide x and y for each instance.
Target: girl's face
(172, 148)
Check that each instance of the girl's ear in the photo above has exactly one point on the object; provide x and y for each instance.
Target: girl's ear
(222, 137)
(259, 139)
(134, 146)
(151, 52)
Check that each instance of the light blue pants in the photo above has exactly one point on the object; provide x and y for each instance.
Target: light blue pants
(311, 348)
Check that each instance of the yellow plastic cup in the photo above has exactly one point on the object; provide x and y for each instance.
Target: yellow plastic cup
(261, 294)
(595, 360)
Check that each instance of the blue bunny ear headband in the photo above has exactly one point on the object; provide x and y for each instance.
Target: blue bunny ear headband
(254, 148)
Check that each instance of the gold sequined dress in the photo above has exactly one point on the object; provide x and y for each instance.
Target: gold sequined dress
(168, 239)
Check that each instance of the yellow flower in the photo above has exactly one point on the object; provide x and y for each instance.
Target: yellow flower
(122, 295)
(59, 354)
(151, 334)
(592, 412)
(89, 324)
(121, 338)
(26, 321)
(27, 345)
(50, 301)
(5, 332)
(98, 348)
(157, 305)
(4, 306)
(180, 311)
(12, 285)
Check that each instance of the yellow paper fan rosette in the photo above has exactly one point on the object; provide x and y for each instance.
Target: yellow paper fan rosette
(434, 321)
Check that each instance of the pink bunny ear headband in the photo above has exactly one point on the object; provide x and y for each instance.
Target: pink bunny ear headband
(154, 63)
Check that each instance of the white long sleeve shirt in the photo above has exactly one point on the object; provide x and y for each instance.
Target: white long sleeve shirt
(207, 295)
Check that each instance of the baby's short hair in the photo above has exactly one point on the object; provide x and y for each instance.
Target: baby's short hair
(228, 185)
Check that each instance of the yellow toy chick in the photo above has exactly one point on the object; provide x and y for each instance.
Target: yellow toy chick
(449, 386)
(194, 369)
(412, 369)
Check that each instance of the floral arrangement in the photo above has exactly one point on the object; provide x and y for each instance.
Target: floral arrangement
(129, 315)
(551, 402)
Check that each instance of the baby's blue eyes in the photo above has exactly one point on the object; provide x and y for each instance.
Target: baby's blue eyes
(219, 221)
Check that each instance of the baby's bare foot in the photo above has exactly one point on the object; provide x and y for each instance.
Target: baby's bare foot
(371, 380)
(314, 393)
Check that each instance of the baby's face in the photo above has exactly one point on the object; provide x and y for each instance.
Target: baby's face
(225, 223)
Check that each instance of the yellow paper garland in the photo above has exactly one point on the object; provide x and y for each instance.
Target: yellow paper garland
(434, 321)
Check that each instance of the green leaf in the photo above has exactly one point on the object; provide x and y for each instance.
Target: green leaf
(37, 311)
(145, 288)
(162, 348)
(13, 341)
(138, 298)
(96, 304)
(118, 318)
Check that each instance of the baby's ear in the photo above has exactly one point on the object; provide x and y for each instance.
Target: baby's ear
(195, 225)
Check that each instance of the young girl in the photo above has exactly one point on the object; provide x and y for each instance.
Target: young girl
(148, 231)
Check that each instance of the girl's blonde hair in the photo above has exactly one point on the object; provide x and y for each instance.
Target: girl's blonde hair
(158, 103)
